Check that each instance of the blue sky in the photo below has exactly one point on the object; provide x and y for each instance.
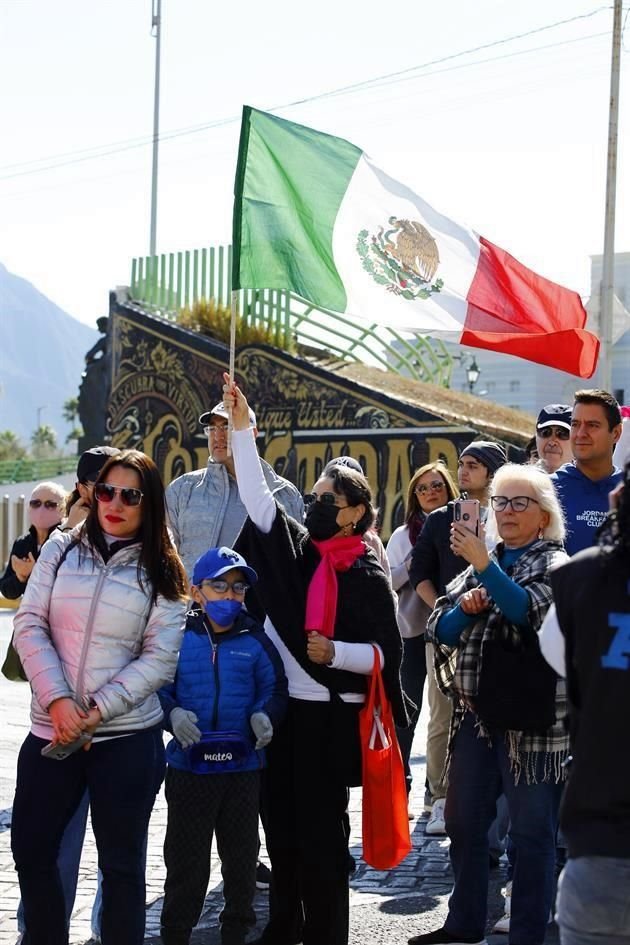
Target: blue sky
(510, 139)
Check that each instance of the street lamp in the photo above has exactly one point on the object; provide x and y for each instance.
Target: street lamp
(472, 373)
(39, 415)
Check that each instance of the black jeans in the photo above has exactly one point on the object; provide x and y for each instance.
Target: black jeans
(413, 673)
(200, 805)
(123, 776)
(304, 803)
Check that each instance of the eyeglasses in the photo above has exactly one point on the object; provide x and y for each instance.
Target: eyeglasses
(216, 428)
(47, 503)
(222, 587)
(519, 503)
(561, 433)
(436, 486)
(105, 493)
(326, 498)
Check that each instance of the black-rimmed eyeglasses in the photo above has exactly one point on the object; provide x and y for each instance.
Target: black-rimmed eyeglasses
(518, 503)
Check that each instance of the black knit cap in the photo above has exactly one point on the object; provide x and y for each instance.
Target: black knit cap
(491, 455)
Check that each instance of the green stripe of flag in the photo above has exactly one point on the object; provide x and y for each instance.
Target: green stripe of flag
(290, 181)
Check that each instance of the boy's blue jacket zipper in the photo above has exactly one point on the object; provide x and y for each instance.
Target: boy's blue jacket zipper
(223, 679)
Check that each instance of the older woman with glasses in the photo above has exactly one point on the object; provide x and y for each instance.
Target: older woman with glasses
(327, 602)
(507, 732)
(44, 513)
(430, 488)
(98, 633)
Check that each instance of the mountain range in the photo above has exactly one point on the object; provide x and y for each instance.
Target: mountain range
(42, 357)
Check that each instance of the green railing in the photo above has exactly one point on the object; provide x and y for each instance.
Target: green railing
(167, 283)
(33, 470)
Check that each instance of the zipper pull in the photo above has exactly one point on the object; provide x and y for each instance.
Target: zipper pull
(214, 652)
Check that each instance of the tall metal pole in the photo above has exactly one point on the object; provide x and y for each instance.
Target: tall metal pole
(608, 267)
(156, 26)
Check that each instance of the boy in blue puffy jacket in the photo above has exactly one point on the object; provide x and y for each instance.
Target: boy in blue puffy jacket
(229, 694)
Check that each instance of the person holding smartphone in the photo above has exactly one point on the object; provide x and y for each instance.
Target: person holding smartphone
(433, 565)
(98, 633)
(484, 632)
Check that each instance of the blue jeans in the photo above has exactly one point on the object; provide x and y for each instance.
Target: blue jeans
(593, 904)
(479, 773)
(122, 776)
(413, 672)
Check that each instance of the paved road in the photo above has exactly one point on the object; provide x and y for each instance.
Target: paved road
(386, 907)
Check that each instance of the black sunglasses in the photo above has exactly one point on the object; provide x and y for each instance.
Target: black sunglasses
(561, 433)
(105, 493)
(47, 503)
(326, 498)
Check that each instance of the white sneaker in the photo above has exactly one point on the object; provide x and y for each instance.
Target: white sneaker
(503, 924)
(435, 824)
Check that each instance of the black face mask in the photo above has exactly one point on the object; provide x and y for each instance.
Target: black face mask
(321, 521)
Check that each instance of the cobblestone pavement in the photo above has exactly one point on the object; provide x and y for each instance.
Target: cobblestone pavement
(386, 907)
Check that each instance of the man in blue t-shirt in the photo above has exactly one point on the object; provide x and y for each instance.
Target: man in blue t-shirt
(583, 485)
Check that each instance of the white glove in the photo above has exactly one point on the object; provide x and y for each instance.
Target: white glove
(262, 729)
(184, 728)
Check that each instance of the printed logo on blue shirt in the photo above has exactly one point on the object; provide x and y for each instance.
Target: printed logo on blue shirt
(593, 518)
(618, 656)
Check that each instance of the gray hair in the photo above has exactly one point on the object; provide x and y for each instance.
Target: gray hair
(544, 492)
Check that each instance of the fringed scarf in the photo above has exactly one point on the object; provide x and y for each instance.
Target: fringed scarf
(337, 554)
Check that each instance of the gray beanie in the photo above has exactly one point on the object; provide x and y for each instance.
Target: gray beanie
(492, 455)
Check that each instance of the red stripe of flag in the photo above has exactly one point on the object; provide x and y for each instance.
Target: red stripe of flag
(514, 310)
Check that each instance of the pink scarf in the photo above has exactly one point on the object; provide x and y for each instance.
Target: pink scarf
(338, 554)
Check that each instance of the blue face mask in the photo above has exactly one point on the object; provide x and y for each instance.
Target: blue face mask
(223, 612)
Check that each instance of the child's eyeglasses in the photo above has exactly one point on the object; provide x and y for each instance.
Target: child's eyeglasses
(47, 503)
(105, 493)
(222, 587)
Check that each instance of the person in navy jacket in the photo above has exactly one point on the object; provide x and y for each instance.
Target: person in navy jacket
(229, 693)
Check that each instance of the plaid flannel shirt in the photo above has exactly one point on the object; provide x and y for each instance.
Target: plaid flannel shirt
(457, 667)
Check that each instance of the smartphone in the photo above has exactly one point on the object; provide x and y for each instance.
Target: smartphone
(60, 752)
(467, 513)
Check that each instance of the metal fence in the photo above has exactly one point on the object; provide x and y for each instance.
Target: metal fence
(25, 470)
(13, 523)
(166, 283)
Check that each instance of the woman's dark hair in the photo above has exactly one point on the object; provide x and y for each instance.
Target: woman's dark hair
(614, 534)
(158, 556)
(71, 499)
(412, 506)
(354, 487)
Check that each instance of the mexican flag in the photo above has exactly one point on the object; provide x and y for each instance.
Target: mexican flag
(314, 215)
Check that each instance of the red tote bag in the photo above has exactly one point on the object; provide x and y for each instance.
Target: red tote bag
(386, 839)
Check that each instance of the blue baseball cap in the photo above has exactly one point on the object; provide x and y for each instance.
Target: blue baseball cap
(217, 561)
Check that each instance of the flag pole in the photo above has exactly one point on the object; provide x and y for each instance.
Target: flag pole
(156, 24)
(608, 266)
(233, 314)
